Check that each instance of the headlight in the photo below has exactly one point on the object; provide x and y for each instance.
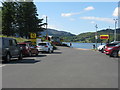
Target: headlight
(109, 48)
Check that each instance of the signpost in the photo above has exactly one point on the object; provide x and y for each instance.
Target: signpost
(32, 35)
(33, 38)
(104, 36)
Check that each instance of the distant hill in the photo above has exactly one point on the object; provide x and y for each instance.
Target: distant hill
(53, 32)
(89, 37)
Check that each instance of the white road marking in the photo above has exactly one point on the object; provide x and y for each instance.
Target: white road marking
(2, 66)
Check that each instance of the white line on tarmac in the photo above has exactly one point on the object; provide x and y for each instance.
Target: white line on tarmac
(2, 66)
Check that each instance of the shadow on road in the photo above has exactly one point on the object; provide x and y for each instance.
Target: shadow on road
(57, 52)
(41, 55)
(24, 61)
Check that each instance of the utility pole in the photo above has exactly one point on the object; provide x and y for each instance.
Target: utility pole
(109, 35)
(46, 28)
(96, 37)
(115, 32)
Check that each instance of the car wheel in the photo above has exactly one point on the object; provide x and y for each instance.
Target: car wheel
(114, 54)
(102, 50)
(37, 53)
(30, 54)
(20, 57)
(52, 51)
(8, 57)
(49, 51)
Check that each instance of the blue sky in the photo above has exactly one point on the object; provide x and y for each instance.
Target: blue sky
(78, 17)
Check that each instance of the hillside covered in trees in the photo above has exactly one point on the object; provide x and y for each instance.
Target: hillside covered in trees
(89, 37)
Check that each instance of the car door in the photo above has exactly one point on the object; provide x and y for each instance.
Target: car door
(16, 47)
(13, 48)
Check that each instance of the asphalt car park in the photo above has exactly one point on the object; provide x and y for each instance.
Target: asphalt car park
(65, 68)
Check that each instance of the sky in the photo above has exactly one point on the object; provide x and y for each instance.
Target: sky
(78, 17)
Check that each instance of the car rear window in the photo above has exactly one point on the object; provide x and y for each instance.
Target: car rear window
(41, 44)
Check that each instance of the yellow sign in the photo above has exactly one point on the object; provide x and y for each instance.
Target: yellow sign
(104, 36)
(33, 41)
(32, 35)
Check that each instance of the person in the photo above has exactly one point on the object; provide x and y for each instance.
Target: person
(70, 44)
(93, 46)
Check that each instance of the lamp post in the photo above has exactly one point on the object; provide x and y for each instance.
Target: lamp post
(46, 28)
(115, 37)
(96, 37)
(109, 35)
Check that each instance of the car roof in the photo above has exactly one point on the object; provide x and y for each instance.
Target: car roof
(23, 43)
(43, 42)
(6, 38)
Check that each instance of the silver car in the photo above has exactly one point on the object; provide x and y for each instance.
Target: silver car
(45, 47)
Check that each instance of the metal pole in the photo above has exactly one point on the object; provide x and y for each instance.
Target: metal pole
(46, 28)
(46, 23)
(115, 30)
(96, 36)
(109, 35)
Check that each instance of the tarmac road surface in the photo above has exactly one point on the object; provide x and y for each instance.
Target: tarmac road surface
(65, 68)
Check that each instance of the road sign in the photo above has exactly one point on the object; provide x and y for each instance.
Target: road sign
(32, 35)
(104, 36)
(33, 41)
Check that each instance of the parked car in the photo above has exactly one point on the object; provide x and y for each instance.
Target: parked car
(113, 50)
(109, 45)
(10, 49)
(28, 49)
(45, 47)
(119, 53)
(101, 48)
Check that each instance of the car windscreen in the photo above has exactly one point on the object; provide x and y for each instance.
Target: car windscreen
(110, 45)
(41, 44)
(118, 44)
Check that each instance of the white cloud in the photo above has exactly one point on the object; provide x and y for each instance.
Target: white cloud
(115, 13)
(68, 14)
(77, 13)
(98, 19)
(89, 8)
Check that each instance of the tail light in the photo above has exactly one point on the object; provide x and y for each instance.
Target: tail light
(46, 46)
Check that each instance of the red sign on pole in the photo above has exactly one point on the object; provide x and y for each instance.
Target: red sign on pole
(104, 36)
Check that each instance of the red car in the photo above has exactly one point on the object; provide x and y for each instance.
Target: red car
(113, 50)
(28, 49)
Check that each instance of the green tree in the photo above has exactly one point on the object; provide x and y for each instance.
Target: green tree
(0, 21)
(27, 19)
(8, 14)
(20, 18)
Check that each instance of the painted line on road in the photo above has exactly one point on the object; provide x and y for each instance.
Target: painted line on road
(2, 66)
(82, 49)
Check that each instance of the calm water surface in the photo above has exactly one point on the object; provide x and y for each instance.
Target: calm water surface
(82, 45)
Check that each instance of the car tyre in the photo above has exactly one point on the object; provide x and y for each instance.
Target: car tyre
(8, 57)
(30, 54)
(49, 51)
(114, 54)
(52, 51)
(20, 57)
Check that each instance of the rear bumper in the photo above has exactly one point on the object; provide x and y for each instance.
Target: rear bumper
(42, 49)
